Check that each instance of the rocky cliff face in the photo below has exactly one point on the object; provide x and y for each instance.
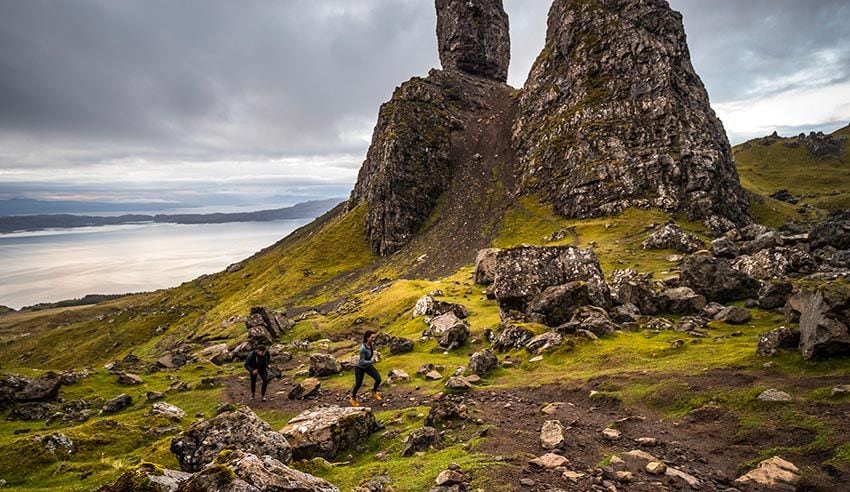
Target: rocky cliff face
(473, 37)
(614, 116)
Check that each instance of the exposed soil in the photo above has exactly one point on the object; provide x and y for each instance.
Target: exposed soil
(708, 443)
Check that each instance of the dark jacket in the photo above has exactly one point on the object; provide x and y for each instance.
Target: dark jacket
(254, 361)
(366, 354)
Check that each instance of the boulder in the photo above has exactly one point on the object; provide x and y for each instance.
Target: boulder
(147, 477)
(552, 435)
(41, 389)
(717, 280)
(485, 266)
(172, 361)
(473, 37)
(524, 272)
(549, 461)
(428, 306)
(218, 354)
(324, 365)
(482, 362)
(129, 379)
(763, 265)
(259, 335)
(455, 336)
(56, 444)
(589, 319)
(512, 337)
(240, 471)
(167, 410)
(774, 395)
(771, 474)
(775, 294)
(238, 429)
(824, 320)
(400, 345)
(734, 315)
(834, 233)
(544, 342)
(768, 240)
(396, 376)
(447, 408)
(671, 236)
(116, 404)
(325, 431)
(458, 383)
(631, 287)
(681, 300)
(556, 305)
(275, 322)
(421, 440)
(778, 338)
(439, 325)
(305, 389)
(723, 247)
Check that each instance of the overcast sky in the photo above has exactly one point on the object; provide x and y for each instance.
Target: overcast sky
(256, 102)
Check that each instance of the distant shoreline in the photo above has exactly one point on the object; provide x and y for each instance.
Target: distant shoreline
(31, 223)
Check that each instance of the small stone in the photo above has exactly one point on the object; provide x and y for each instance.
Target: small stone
(550, 461)
(433, 376)
(774, 395)
(573, 476)
(552, 434)
(611, 434)
(844, 389)
(552, 408)
(527, 482)
(656, 468)
(537, 358)
(647, 441)
(129, 379)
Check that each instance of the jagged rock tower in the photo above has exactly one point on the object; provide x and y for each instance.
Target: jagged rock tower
(412, 158)
(613, 115)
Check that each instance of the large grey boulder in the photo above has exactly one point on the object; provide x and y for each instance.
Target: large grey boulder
(775, 474)
(41, 389)
(238, 429)
(239, 471)
(557, 304)
(630, 287)
(325, 431)
(824, 320)
(775, 294)
(482, 362)
(525, 272)
(485, 266)
(428, 306)
(420, 440)
(324, 365)
(681, 300)
(544, 342)
(473, 37)
(671, 236)
(717, 280)
(778, 338)
(512, 337)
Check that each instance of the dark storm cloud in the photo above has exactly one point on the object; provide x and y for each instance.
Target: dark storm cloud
(219, 89)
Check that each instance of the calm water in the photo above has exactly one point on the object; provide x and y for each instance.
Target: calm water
(52, 265)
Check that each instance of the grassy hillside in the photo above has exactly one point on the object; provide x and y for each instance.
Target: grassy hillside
(767, 165)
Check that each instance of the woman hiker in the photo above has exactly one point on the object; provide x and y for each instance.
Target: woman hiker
(365, 365)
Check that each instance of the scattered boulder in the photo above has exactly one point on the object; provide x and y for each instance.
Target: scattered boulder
(775, 294)
(458, 383)
(451, 480)
(446, 409)
(129, 379)
(631, 287)
(734, 315)
(428, 306)
(778, 338)
(482, 362)
(172, 361)
(439, 325)
(834, 233)
(31, 411)
(681, 300)
(167, 410)
(717, 280)
(118, 403)
(552, 435)
(147, 477)
(56, 444)
(238, 429)
(723, 247)
(512, 337)
(549, 461)
(671, 236)
(767, 240)
(396, 376)
(485, 266)
(217, 354)
(400, 345)
(325, 431)
(305, 389)
(763, 265)
(774, 395)
(421, 440)
(824, 320)
(41, 389)
(556, 305)
(544, 342)
(275, 322)
(455, 336)
(324, 365)
(525, 272)
(239, 471)
(771, 474)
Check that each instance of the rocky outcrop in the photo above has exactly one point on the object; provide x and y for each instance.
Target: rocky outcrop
(325, 431)
(717, 280)
(824, 321)
(237, 429)
(523, 275)
(473, 37)
(238, 471)
(613, 115)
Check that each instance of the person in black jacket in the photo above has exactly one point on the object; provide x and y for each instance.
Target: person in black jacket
(257, 364)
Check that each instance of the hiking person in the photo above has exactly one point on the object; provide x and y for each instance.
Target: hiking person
(257, 364)
(366, 365)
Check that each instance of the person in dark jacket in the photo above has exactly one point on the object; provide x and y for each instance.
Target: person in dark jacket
(257, 364)
(366, 365)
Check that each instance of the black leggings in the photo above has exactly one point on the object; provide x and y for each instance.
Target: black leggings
(358, 378)
(265, 378)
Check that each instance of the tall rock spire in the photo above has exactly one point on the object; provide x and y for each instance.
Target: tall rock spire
(613, 115)
(473, 37)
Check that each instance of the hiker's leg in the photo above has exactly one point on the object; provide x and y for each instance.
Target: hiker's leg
(253, 383)
(376, 376)
(265, 383)
(358, 381)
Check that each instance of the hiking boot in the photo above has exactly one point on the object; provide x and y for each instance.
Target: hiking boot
(252, 397)
(377, 395)
(265, 399)
(353, 401)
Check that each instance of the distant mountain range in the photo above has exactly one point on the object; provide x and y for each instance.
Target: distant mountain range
(304, 210)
